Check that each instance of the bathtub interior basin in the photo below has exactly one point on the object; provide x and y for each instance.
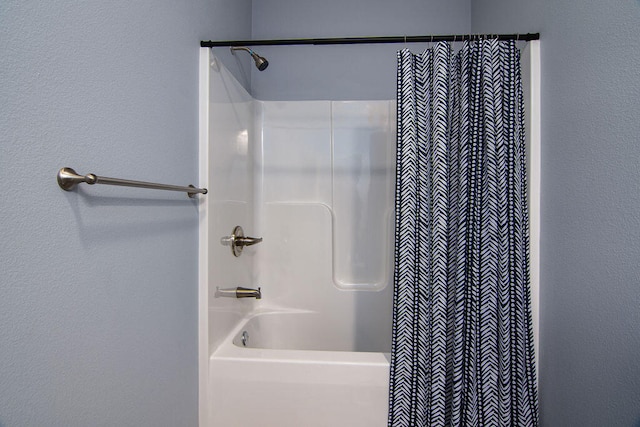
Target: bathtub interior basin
(297, 369)
(306, 331)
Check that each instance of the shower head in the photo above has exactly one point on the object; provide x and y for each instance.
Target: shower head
(261, 62)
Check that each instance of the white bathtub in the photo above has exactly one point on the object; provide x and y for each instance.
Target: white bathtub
(297, 370)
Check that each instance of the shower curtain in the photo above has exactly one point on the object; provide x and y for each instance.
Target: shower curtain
(462, 352)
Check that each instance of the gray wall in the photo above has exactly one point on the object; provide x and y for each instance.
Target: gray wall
(98, 287)
(590, 283)
(343, 72)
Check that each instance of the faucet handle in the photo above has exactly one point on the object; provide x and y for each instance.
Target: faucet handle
(248, 241)
(237, 240)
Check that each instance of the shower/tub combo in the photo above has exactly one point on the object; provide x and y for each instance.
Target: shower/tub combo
(308, 343)
(295, 323)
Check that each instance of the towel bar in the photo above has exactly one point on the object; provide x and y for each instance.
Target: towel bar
(68, 178)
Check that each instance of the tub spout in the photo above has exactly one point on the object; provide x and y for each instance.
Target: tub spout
(239, 292)
(248, 293)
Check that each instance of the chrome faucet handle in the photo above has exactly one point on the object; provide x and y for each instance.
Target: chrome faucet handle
(248, 241)
(237, 240)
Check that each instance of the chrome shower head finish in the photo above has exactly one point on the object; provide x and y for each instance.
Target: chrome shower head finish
(261, 62)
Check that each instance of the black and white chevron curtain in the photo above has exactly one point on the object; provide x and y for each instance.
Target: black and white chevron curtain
(462, 352)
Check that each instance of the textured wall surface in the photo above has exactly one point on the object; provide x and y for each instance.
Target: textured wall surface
(98, 287)
(590, 274)
(352, 72)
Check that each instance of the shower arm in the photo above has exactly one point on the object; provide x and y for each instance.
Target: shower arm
(234, 48)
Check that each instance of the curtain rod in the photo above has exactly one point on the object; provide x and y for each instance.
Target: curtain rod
(370, 40)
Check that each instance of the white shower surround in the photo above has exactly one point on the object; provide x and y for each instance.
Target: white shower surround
(287, 174)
